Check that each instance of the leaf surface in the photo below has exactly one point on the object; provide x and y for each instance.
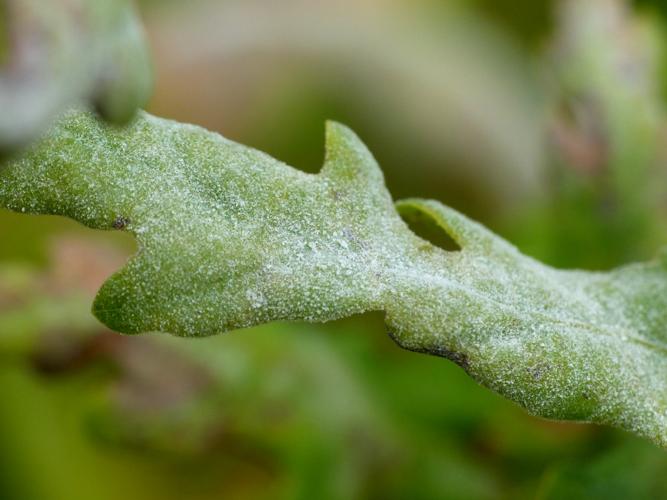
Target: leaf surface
(229, 238)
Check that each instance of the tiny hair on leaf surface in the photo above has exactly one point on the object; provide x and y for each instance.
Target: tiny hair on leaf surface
(229, 237)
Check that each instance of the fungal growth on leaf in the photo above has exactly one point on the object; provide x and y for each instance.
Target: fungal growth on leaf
(229, 237)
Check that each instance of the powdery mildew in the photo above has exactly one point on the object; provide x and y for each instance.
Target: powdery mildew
(229, 237)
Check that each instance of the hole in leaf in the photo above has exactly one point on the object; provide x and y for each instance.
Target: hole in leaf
(426, 228)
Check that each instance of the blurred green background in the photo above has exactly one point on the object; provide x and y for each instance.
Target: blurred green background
(544, 120)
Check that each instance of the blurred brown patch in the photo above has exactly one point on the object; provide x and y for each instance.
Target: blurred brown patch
(80, 264)
(579, 137)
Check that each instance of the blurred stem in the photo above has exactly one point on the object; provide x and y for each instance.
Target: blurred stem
(4, 32)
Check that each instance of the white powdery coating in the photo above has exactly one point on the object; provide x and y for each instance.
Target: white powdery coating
(229, 237)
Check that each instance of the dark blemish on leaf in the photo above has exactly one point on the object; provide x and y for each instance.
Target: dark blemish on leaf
(537, 372)
(457, 357)
(121, 223)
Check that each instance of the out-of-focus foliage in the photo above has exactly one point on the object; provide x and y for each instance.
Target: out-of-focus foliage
(20, 325)
(630, 471)
(606, 202)
(55, 53)
(462, 89)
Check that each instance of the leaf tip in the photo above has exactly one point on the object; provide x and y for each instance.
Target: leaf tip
(110, 308)
(347, 158)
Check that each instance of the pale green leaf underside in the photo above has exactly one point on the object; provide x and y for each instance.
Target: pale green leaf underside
(229, 237)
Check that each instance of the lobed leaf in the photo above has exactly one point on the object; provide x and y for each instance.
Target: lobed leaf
(229, 237)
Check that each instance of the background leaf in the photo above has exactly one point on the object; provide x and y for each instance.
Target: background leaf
(54, 54)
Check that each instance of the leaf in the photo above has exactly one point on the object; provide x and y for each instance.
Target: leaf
(630, 470)
(229, 237)
(57, 53)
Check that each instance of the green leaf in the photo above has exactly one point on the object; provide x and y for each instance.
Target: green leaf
(630, 470)
(229, 237)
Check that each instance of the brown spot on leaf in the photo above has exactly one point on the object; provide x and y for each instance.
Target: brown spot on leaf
(457, 357)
